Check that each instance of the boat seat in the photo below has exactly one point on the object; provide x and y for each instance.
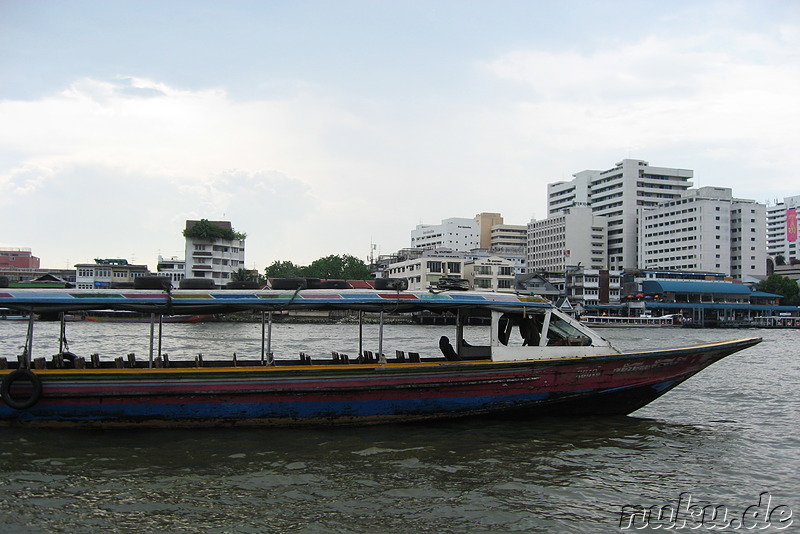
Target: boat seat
(413, 357)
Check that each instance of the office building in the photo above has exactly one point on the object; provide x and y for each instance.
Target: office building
(618, 194)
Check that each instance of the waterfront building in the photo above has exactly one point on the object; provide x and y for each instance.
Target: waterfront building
(705, 229)
(619, 193)
(172, 268)
(491, 273)
(571, 237)
(18, 258)
(108, 273)
(215, 254)
(782, 234)
(589, 288)
(424, 271)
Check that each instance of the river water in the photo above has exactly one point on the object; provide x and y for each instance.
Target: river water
(728, 437)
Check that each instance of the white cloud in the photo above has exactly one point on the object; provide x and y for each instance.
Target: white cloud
(726, 96)
(315, 171)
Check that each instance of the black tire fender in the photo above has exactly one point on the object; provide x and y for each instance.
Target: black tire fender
(21, 374)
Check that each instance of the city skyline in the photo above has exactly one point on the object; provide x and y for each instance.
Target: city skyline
(321, 128)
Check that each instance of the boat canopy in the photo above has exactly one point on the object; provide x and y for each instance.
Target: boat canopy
(229, 301)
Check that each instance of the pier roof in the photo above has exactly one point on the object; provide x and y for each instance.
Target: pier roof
(674, 286)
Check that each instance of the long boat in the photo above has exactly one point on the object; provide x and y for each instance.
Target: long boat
(612, 321)
(534, 361)
(121, 316)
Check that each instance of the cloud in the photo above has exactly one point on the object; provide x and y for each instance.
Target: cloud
(720, 95)
(309, 169)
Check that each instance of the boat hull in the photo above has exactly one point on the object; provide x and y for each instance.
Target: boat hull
(359, 393)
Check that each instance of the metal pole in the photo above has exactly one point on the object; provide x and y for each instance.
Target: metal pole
(62, 335)
(263, 326)
(360, 332)
(459, 330)
(29, 352)
(160, 331)
(380, 338)
(270, 358)
(152, 334)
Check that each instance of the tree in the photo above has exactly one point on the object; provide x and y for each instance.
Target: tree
(780, 285)
(244, 275)
(345, 267)
(284, 269)
(333, 267)
(780, 260)
(203, 229)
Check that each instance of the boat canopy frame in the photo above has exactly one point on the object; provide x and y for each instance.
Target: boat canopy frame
(514, 309)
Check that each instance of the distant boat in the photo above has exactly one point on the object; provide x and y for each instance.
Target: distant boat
(600, 321)
(534, 360)
(122, 316)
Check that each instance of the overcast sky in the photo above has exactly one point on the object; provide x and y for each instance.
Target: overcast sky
(319, 127)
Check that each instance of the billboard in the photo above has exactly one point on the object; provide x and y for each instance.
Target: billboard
(791, 225)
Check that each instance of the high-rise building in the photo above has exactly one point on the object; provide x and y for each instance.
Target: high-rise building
(618, 194)
(782, 234)
(706, 229)
(573, 236)
(456, 233)
(485, 221)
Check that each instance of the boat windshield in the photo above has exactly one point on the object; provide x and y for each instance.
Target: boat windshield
(561, 332)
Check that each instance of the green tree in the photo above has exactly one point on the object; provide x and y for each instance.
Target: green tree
(284, 269)
(780, 285)
(244, 275)
(203, 229)
(345, 267)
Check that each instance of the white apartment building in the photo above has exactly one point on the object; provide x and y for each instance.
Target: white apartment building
(426, 270)
(593, 287)
(574, 236)
(215, 257)
(490, 274)
(455, 233)
(172, 268)
(782, 238)
(108, 274)
(706, 229)
(619, 193)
